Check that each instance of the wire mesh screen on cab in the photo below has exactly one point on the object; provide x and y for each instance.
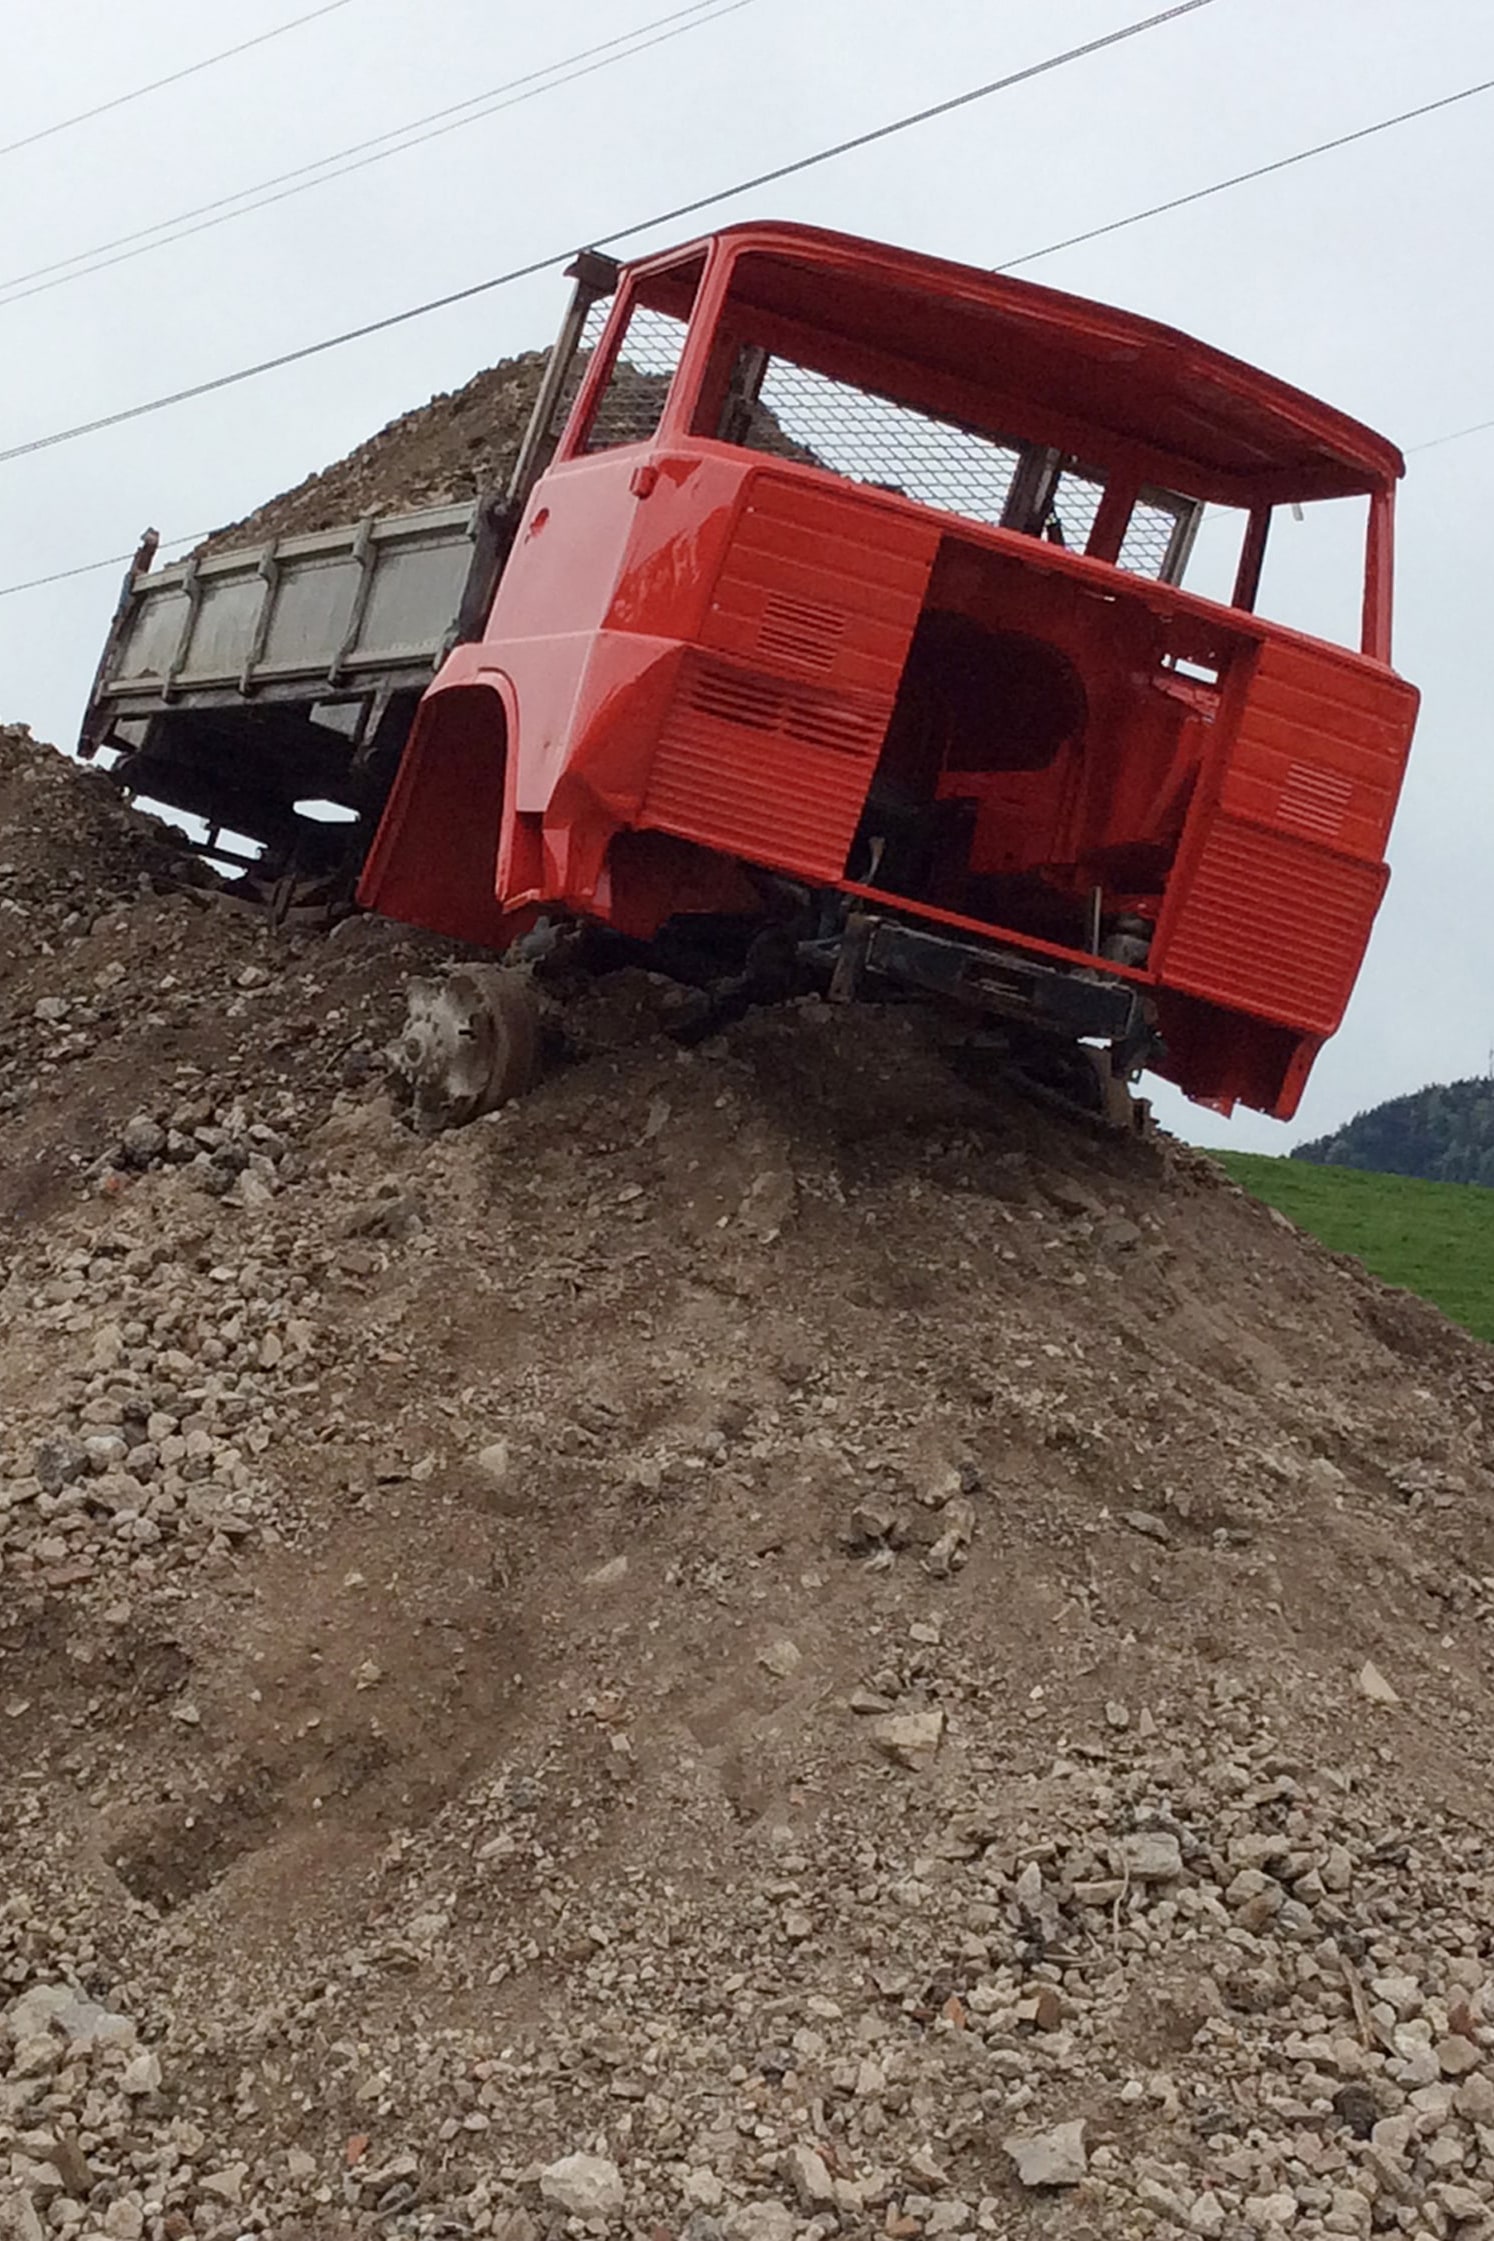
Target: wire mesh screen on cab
(795, 412)
(870, 439)
(632, 403)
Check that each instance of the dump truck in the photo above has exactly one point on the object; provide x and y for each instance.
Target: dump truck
(835, 615)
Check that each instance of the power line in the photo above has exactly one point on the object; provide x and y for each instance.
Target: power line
(93, 567)
(1242, 178)
(115, 560)
(119, 559)
(560, 257)
(266, 192)
(175, 77)
(1453, 436)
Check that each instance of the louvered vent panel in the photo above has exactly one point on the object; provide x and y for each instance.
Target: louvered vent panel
(800, 632)
(764, 768)
(1273, 926)
(1313, 801)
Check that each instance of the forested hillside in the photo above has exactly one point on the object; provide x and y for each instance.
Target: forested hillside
(1444, 1134)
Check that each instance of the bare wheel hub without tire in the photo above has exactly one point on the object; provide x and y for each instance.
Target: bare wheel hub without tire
(469, 1044)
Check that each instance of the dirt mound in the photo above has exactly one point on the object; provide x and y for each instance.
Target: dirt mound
(462, 443)
(460, 446)
(760, 1645)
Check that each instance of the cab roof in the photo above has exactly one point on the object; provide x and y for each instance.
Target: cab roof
(1248, 435)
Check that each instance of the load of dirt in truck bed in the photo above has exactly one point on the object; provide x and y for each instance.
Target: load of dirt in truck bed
(761, 1644)
(462, 445)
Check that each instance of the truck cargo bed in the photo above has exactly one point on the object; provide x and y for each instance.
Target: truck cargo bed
(237, 686)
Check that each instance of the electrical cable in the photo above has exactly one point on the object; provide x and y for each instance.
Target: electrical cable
(1430, 443)
(1453, 436)
(557, 258)
(1242, 178)
(174, 78)
(118, 559)
(267, 192)
(92, 567)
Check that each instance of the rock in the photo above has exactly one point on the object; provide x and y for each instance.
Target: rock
(1456, 2056)
(1055, 2158)
(493, 1461)
(19, 2221)
(584, 2186)
(142, 2077)
(782, 1659)
(142, 1140)
(58, 1462)
(82, 2022)
(809, 2175)
(124, 2222)
(78, 2175)
(225, 2184)
(872, 1521)
(769, 1204)
(1474, 2099)
(1207, 2216)
(1151, 1856)
(950, 1550)
(910, 1739)
(610, 1574)
(1372, 1684)
(761, 2221)
(1149, 1526)
(1356, 2107)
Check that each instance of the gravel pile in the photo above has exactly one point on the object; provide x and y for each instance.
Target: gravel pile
(758, 1647)
(462, 443)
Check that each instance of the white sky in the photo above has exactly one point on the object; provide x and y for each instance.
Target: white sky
(1361, 276)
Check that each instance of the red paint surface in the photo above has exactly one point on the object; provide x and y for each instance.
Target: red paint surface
(695, 651)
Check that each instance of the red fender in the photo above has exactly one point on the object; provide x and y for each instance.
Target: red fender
(434, 859)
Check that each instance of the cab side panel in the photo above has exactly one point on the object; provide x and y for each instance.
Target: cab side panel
(770, 740)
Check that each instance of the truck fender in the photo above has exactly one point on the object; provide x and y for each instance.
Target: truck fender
(434, 859)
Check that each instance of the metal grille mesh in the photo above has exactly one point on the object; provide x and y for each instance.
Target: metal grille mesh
(632, 404)
(1153, 534)
(869, 439)
(819, 421)
(1076, 501)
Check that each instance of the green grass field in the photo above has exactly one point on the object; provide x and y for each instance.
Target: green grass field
(1433, 1238)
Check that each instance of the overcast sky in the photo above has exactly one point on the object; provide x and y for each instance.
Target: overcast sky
(1361, 276)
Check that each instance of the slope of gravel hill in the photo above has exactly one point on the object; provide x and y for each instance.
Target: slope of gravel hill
(760, 1646)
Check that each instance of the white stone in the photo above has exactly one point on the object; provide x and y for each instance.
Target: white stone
(1055, 2158)
(809, 2175)
(761, 2221)
(782, 1659)
(1151, 1856)
(493, 1461)
(909, 1739)
(584, 2186)
(82, 2022)
(610, 1574)
(141, 2077)
(225, 2184)
(1372, 1684)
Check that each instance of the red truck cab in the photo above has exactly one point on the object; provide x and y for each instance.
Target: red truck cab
(857, 576)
